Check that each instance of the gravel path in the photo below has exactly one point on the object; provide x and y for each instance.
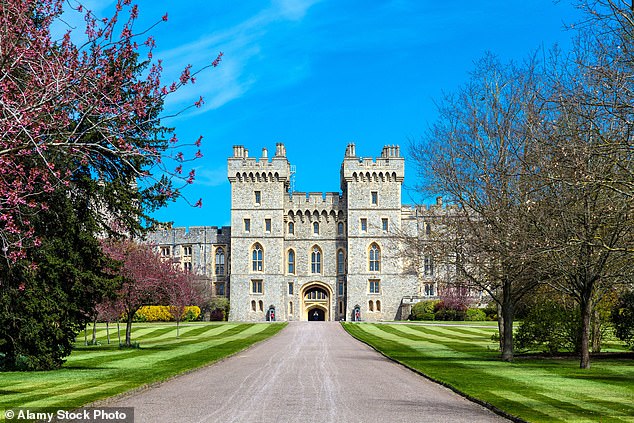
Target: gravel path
(309, 372)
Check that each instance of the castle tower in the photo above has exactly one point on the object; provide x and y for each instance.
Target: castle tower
(258, 188)
(372, 191)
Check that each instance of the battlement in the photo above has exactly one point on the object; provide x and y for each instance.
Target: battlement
(191, 235)
(242, 168)
(389, 167)
(321, 202)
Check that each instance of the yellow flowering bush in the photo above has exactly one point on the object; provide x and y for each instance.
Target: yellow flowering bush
(162, 313)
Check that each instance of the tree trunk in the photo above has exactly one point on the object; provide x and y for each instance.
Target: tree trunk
(507, 340)
(119, 333)
(596, 333)
(107, 332)
(500, 326)
(128, 328)
(86, 334)
(93, 341)
(586, 314)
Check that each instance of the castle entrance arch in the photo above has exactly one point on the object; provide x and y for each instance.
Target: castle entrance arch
(316, 302)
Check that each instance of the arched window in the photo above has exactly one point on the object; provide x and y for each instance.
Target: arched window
(291, 262)
(316, 228)
(252, 305)
(378, 305)
(315, 260)
(370, 305)
(257, 258)
(341, 262)
(428, 229)
(220, 261)
(375, 258)
(291, 228)
(261, 305)
(290, 308)
(340, 228)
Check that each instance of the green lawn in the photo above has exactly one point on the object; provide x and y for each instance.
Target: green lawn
(536, 390)
(96, 372)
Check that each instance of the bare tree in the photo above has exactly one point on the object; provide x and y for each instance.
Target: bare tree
(478, 155)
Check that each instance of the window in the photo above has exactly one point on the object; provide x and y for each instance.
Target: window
(261, 305)
(253, 305)
(291, 228)
(340, 288)
(257, 258)
(375, 198)
(290, 308)
(375, 258)
(165, 251)
(429, 265)
(341, 262)
(187, 266)
(427, 229)
(340, 228)
(187, 250)
(291, 262)
(220, 261)
(220, 288)
(429, 290)
(378, 305)
(370, 305)
(267, 225)
(247, 225)
(364, 225)
(258, 198)
(375, 286)
(315, 260)
(384, 224)
(290, 288)
(316, 294)
(316, 228)
(256, 286)
(340, 307)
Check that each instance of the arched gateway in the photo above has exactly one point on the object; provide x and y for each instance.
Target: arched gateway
(316, 302)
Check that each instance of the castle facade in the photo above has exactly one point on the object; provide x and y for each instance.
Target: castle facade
(310, 256)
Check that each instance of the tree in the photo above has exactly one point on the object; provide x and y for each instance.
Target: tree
(180, 293)
(97, 105)
(623, 318)
(585, 141)
(479, 156)
(48, 297)
(145, 278)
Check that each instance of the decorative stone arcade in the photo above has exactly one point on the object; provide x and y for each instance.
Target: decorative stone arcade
(316, 298)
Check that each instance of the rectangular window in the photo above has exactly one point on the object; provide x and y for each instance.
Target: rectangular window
(364, 225)
(165, 251)
(220, 289)
(375, 198)
(247, 225)
(340, 288)
(290, 288)
(267, 225)
(429, 265)
(187, 266)
(384, 224)
(375, 286)
(187, 251)
(258, 198)
(256, 286)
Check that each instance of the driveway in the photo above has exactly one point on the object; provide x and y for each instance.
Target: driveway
(309, 372)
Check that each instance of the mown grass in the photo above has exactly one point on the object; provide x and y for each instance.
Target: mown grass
(536, 390)
(95, 372)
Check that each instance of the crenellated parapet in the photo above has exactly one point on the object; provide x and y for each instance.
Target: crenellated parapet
(315, 204)
(242, 168)
(191, 235)
(389, 167)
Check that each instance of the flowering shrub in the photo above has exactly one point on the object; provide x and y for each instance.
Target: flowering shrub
(162, 314)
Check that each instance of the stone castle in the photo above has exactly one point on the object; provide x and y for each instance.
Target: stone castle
(310, 256)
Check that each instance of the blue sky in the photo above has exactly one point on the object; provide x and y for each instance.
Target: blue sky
(318, 74)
